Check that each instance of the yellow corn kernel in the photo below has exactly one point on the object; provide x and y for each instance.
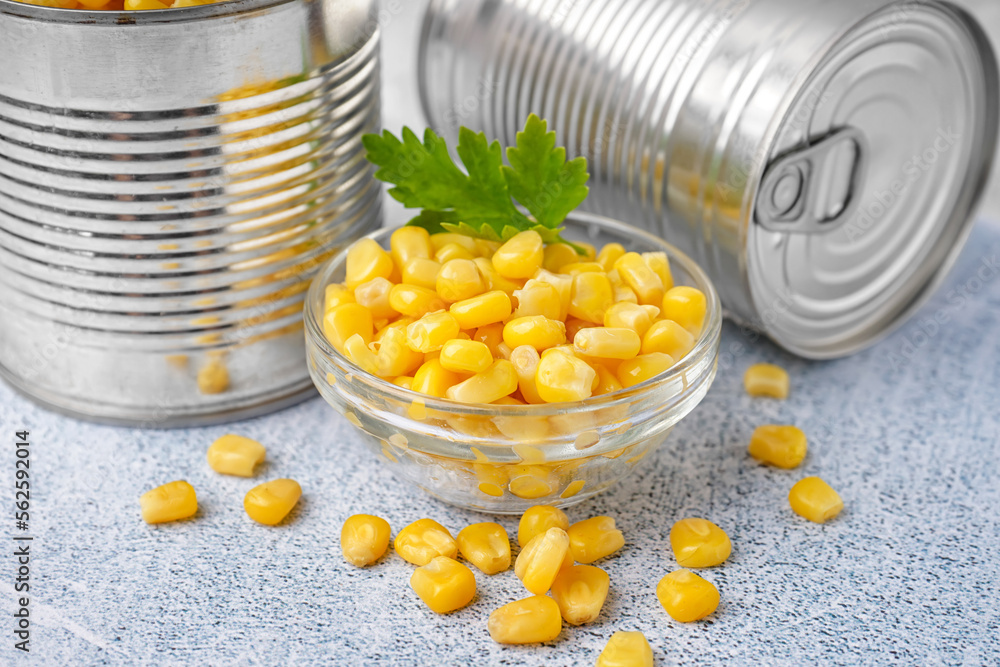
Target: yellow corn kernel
(607, 383)
(624, 294)
(580, 591)
(434, 379)
(530, 482)
(641, 368)
(563, 285)
(395, 358)
(814, 499)
(270, 502)
(686, 306)
(213, 377)
(465, 356)
(235, 455)
(170, 502)
(654, 311)
(577, 268)
(562, 377)
(610, 254)
(139, 5)
(366, 260)
(337, 295)
(404, 381)
(521, 256)
(486, 546)
(431, 332)
(453, 251)
(504, 351)
(539, 332)
(558, 255)
(594, 538)
(358, 352)
(491, 336)
(607, 342)
(668, 337)
(589, 251)
(538, 298)
(525, 359)
(686, 596)
(626, 649)
(421, 272)
(642, 279)
(491, 478)
(529, 621)
(499, 380)
(493, 280)
(781, 446)
(538, 519)
(541, 559)
(699, 543)
(345, 321)
(423, 541)
(486, 248)
(458, 280)
(440, 240)
(591, 297)
(415, 301)
(482, 310)
(444, 584)
(374, 295)
(364, 539)
(659, 263)
(409, 243)
(574, 325)
(766, 380)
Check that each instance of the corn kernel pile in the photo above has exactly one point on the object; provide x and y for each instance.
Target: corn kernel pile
(477, 321)
(119, 5)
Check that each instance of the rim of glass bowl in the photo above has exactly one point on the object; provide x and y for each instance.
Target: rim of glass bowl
(707, 339)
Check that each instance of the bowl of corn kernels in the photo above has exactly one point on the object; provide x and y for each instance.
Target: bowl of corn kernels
(498, 376)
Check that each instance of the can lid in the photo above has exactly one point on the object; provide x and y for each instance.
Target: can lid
(874, 178)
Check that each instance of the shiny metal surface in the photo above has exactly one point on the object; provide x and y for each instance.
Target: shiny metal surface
(682, 107)
(169, 183)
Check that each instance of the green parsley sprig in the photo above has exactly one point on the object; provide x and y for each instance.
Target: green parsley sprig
(480, 201)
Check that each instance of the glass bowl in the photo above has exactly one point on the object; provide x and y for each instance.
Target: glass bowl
(501, 458)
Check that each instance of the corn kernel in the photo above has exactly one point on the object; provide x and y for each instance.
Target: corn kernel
(364, 539)
(409, 243)
(538, 519)
(610, 254)
(668, 337)
(814, 499)
(337, 295)
(444, 584)
(346, 320)
(404, 381)
(558, 255)
(594, 538)
(458, 280)
(624, 294)
(521, 256)
(589, 251)
(626, 649)
(482, 310)
(539, 332)
(686, 306)
(465, 356)
(270, 502)
(453, 251)
(607, 383)
(660, 265)
(493, 280)
(486, 247)
(538, 298)
(529, 621)
(686, 596)
(525, 359)
(486, 546)
(591, 297)
(421, 272)
(424, 540)
(499, 380)
(491, 336)
(608, 343)
(541, 559)
(367, 260)
(440, 240)
(563, 285)
(643, 280)
(415, 301)
(170, 502)
(395, 358)
(358, 352)
(766, 380)
(574, 325)
(235, 455)
(374, 295)
(434, 379)
(431, 332)
(139, 5)
(699, 543)
(577, 268)
(562, 377)
(580, 591)
(530, 482)
(642, 368)
(213, 377)
(781, 446)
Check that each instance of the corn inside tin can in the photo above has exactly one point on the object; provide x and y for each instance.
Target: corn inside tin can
(170, 181)
(821, 160)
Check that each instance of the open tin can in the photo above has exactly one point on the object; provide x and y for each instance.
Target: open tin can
(170, 181)
(821, 160)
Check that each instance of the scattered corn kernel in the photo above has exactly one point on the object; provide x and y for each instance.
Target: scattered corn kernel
(423, 540)
(499, 380)
(781, 446)
(766, 380)
(171, 502)
(486, 546)
(465, 356)
(562, 376)
(699, 543)
(639, 369)
(626, 649)
(595, 538)
(364, 539)
(668, 337)
(814, 499)
(521, 256)
(444, 584)
(529, 621)
(686, 596)
(235, 455)
(608, 342)
(367, 260)
(686, 306)
(270, 502)
(580, 591)
(483, 310)
(538, 519)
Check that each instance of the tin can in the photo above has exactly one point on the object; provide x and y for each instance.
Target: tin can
(169, 183)
(821, 160)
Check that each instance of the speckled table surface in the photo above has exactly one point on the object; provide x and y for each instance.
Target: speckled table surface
(908, 432)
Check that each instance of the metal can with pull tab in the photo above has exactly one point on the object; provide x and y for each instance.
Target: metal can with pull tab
(821, 160)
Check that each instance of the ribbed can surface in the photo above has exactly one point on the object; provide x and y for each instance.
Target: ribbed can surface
(169, 183)
(759, 136)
